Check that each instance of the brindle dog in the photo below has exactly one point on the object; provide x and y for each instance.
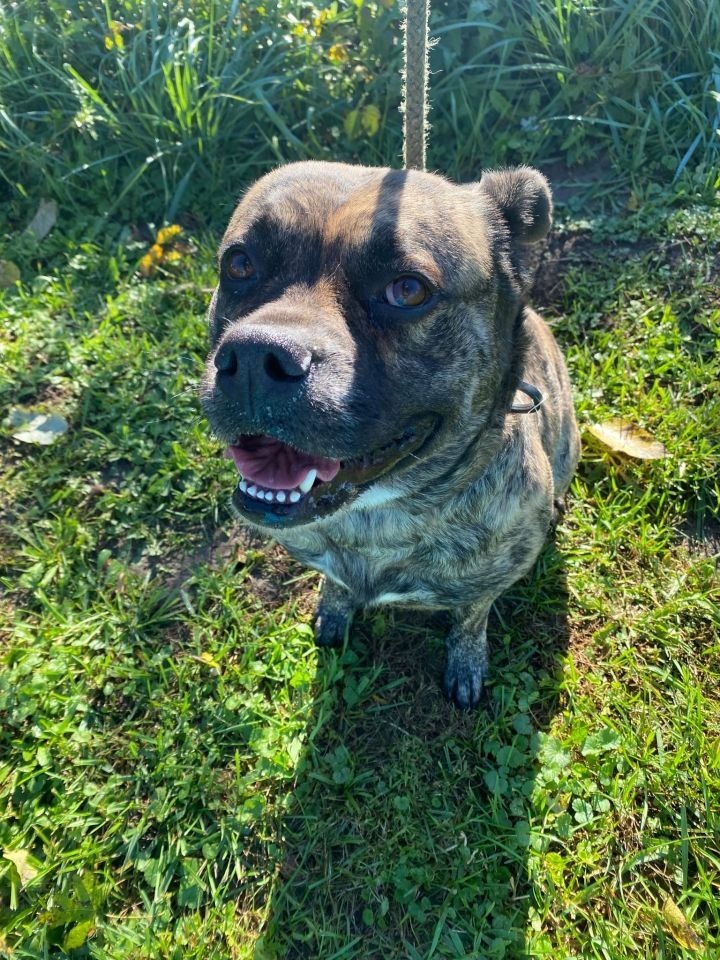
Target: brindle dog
(369, 338)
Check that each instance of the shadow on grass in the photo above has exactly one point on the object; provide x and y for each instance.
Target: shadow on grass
(408, 829)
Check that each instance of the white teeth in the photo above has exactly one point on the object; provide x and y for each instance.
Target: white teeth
(309, 480)
(271, 495)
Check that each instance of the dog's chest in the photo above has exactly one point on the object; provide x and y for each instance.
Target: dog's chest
(401, 556)
(375, 555)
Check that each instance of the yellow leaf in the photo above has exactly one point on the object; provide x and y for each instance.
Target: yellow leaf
(9, 273)
(625, 437)
(78, 934)
(209, 660)
(679, 927)
(350, 124)
(370, 119)
(25, 864)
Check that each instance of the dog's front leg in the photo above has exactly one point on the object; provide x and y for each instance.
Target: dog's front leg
(333, 615)
(467, 656)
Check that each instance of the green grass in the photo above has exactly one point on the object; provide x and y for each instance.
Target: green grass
(182, 775)
(138, 110)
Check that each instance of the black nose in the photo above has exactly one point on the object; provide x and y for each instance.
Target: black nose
(260, 366)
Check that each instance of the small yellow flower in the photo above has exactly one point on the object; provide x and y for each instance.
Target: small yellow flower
(337, 53)
(169, 249)
(114, 38)
(149, 263)
(166, 235)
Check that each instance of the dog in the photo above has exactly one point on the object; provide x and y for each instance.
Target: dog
(371, 363)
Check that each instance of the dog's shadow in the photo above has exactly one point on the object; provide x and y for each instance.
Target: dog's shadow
(408, 829)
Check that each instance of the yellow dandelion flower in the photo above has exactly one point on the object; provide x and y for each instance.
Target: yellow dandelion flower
(337, 53)
(166, 235)
(149, 263)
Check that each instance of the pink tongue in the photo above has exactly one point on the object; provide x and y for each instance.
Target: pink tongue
(275, 465)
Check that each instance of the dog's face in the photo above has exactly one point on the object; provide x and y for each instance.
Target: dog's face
(364, 320)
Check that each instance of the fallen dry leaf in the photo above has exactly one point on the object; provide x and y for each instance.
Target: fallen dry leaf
(24, 864)
(9, 273)
(625, 437)
(44, 219)
(41, 428)
(678, 926)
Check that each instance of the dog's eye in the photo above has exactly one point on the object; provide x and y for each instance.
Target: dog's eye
(238, 266)
(407, 291)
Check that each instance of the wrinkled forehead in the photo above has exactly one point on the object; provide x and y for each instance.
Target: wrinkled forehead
(363, 217)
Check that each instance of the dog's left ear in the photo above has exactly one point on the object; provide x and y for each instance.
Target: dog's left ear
(519, 202)
(523, 198)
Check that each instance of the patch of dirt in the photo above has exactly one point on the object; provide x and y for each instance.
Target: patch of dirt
(704, 542)
(274, 577)
(561, 252)
(567, 249)
(569, 183)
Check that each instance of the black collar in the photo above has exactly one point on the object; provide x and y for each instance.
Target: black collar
(535, 396)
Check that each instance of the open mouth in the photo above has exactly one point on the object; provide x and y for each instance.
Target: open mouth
(283, 486)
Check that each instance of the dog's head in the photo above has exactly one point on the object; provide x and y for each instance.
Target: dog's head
(365, 324)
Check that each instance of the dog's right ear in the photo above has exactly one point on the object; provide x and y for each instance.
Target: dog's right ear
(522, 196)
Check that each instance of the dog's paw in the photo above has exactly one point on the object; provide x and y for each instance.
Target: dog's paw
(559, 511)
(463, 679)
(330, 627)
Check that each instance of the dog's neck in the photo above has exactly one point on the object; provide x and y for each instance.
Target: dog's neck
(536, 399)
(513, 381)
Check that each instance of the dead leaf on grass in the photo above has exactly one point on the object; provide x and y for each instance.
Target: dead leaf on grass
(622, 436)
(678, 926)
(25, 864)
(44, 219)
(41, 428)
(9, 273)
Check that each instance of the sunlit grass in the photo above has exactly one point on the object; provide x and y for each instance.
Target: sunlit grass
(140, 111)
(183, 775)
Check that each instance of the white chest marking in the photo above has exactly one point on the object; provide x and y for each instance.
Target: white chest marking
(412, 596)
(376, 496)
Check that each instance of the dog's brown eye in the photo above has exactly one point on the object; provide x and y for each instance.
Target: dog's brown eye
(406, 292)
(238, 266)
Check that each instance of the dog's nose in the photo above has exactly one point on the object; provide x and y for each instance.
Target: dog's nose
(260, 366)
